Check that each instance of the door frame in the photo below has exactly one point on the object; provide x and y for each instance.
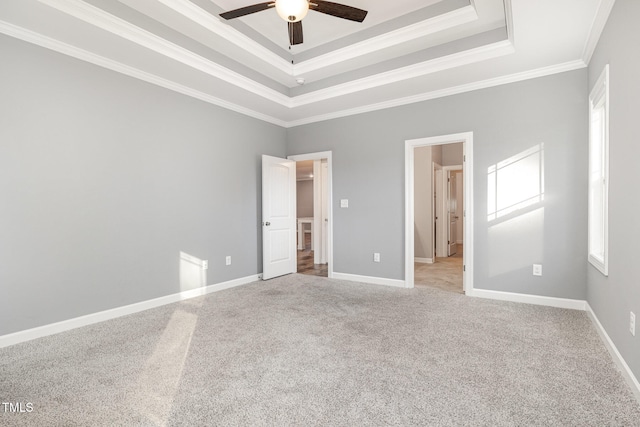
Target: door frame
(467, 169)
(328, 156)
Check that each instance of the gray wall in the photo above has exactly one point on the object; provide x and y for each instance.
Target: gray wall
(614, 297)
(304, 199)
(368, 169)
(105, 179)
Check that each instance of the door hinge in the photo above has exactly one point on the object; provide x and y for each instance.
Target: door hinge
(464, 268)
(464, 158)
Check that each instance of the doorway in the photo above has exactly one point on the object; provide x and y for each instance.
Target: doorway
(438, 227)
(442, 268)
(314, 214)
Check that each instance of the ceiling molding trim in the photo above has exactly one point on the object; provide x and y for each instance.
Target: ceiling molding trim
(402, 35)
(211, 23)
(498, 81)
(508, 19)
(83, 55)
(597, 26)
(121, 28)
(458, 59)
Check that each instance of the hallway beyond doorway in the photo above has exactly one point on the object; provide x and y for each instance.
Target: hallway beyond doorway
(305, 260)
(444, 274)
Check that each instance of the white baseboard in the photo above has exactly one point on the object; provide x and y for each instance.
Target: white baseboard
(101, 316)
(615, 354)
(572, 304)
(368, 279)
(423, 260)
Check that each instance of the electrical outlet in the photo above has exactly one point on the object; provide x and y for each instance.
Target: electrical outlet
(228, 260)
(376, 257)
(632, 323)
(205, 265)
(344, 203)
(537, 269)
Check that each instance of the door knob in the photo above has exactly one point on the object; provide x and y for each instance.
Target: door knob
(267, 223)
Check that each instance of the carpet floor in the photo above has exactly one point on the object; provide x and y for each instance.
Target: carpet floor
(304, 350)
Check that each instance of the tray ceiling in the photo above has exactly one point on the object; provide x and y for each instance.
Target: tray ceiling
(405, 51)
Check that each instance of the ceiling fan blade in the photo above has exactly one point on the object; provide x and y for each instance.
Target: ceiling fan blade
(339, 10)
(247, 10)
(295, 33)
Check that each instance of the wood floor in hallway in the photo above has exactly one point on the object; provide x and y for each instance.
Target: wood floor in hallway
(444, 273)
(305, 261)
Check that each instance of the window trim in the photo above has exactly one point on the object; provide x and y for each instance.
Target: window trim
(599, 98)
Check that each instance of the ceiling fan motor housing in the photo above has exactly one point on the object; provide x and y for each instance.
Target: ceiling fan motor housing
(292, 10)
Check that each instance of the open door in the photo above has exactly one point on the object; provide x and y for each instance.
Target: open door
(452, 208)
(278, 217)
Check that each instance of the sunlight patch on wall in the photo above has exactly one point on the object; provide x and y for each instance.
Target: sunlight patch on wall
(515, 183)
(193, 275)
(516, 243)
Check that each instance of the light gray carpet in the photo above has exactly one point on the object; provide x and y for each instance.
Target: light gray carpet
(303, 350)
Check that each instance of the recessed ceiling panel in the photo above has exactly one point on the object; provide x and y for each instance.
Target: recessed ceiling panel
(320, 28)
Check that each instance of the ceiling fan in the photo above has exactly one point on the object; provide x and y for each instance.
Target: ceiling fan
(293, 11)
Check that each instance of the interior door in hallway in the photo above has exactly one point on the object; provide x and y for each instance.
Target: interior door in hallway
(451, 205)
(278, 217)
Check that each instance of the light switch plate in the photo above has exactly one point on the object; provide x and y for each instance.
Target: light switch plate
(344, 203)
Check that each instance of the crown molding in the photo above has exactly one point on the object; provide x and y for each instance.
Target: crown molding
(72, 51)
(484, 84)
(469, 56)
(211, 23)
(508, 20)
(101, 19)
(402, 35)
(597, 26)
(117, 26)
(83, 55)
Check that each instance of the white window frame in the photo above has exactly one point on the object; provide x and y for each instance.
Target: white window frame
(599, 146)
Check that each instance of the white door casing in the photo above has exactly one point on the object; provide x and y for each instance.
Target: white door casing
(460, 206)
(324, 220)
(278, 217)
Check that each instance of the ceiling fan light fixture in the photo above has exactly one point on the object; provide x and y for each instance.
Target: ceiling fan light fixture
(292, 10)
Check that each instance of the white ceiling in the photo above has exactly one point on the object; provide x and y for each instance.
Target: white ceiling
(405, 51)
(320, 28)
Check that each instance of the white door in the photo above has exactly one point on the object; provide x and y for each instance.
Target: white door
(278, 217)
(325, 212)
(451, 204)
(460, 207)
(440, 226)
